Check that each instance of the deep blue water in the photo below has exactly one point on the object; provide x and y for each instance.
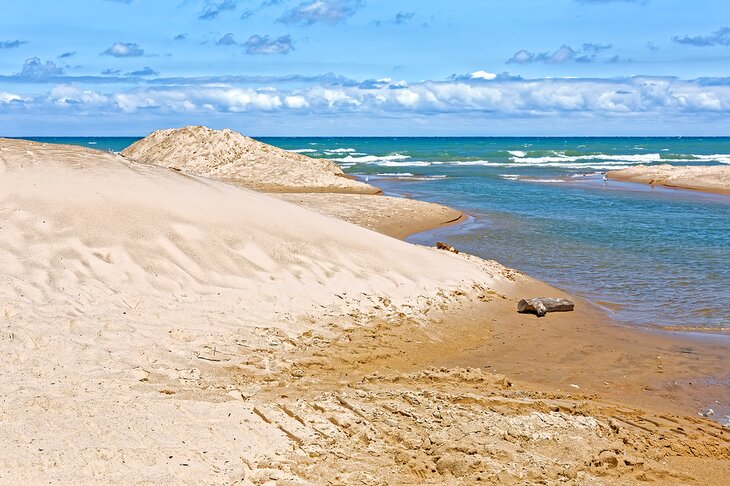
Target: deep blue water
(652, 256)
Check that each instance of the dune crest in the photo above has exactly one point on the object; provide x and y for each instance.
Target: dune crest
(229, 156)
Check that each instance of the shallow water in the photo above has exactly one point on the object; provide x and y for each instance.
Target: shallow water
(650, 256)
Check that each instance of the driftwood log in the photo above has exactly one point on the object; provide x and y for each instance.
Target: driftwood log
(443, 246)
(543, 305)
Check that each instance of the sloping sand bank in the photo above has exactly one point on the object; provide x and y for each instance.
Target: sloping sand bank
(159, 327)
(234, 158)
(715, 179)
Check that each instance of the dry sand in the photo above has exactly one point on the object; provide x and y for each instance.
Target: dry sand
(159, 327)
(234, 158)
(715, 179)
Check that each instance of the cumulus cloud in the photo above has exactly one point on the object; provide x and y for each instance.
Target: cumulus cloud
(483, 75)
(213, 8)
(588, 52)
(145, 71)
(226, 40)
(12, 44)
(641, 95)
(68, 95)
(257, 44)
(720, 37)
(35, 69)
(6, 98)
(124, 49)
(66, 55)
(563, 54)
(321, 11)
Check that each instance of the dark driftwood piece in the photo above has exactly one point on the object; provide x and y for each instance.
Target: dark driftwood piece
(443, 246)
(543, 305)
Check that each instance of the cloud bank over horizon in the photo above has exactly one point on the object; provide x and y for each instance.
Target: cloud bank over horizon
(349, 66)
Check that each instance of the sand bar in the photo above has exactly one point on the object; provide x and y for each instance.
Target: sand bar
(714, 179)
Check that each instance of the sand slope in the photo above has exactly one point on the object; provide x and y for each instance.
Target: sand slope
(234, 158)
(111, 272)
(162, 328)
(701, 178)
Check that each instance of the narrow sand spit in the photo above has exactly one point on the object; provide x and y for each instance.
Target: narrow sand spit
(714, 179)
(159, 327)
(394, 216)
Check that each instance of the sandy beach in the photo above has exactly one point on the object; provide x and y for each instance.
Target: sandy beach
(714, 179)
(175, 326)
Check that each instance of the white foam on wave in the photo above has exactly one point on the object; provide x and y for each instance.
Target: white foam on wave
(374, 158)
(393, 163)
(559, 165)
(721, 158)
(634, 158)
(511, 177)
(517, 153)
(303, 151)
(340, 151)
(551, 181)
(395, 174)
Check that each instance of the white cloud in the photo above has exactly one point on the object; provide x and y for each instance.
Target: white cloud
(124, 49)
(9, 97)
(64, 95)
(657, 96)
(483, 75)
(324, 11)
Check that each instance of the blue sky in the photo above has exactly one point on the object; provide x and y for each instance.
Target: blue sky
(366, 67)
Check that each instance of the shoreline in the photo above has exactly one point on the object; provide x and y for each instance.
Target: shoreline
(647, 384)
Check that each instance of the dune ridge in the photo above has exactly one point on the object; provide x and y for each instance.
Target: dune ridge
(229, 156)
(317, 184)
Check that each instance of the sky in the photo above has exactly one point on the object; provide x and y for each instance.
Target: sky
(366, 67)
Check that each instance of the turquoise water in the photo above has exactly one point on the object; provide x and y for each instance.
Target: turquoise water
(651, 256)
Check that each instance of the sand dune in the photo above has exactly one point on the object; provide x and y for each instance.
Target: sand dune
(700, 178)
(113, 272)
(234, 158)
(163, 328)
